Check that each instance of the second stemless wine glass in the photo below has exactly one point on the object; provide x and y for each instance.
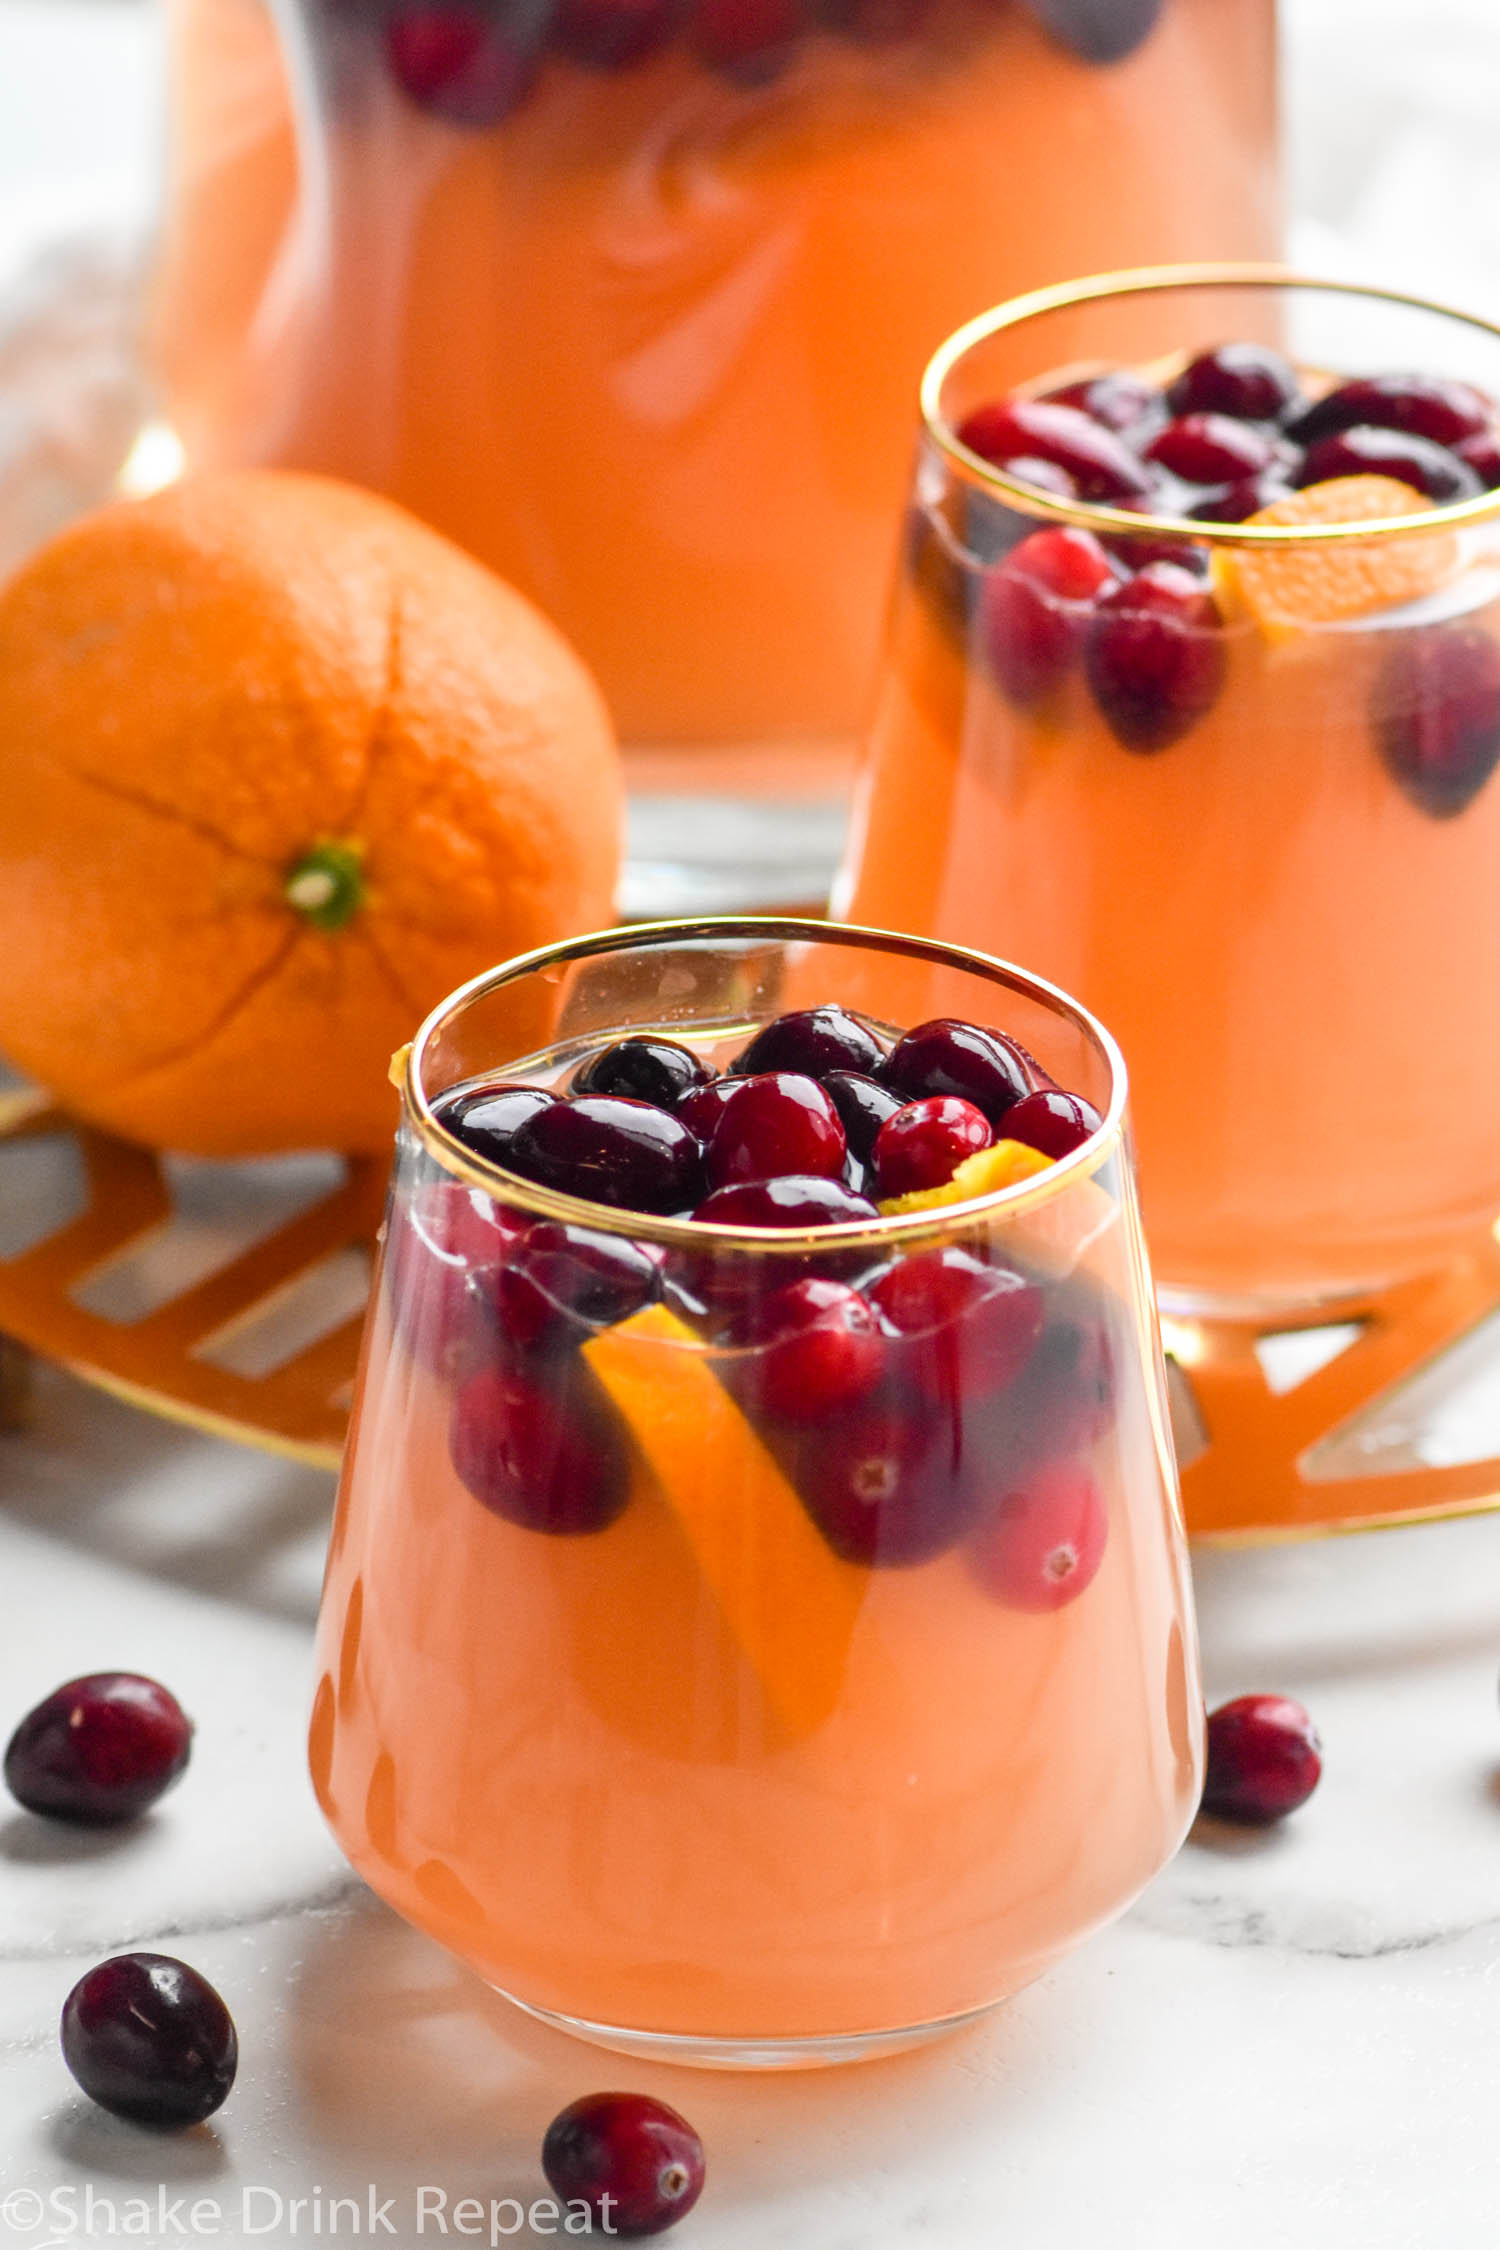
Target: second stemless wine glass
(1273, 872)
(744, 1721)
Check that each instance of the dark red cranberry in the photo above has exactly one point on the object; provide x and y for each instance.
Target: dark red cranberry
(1211, 449)
(886, 1484)
(612, 34)
(863, 1105)
(548, 1455)
(748, 40)
(812, 1041)
(1064, 1401)
(611, 1150)
(1154, 657)
(1237, 501)
(1099, 31)
(805, 1201)
(817, 1348)
(1120, 399)
(1053, 1121)
(1102, 467)
(637, 2164)
(644, 1069)
(1435, 407)
(1042, 1544)
(1249, 381)
(968, 1329)
(460, 63)
(875, 23)
(99, 1750)
(701, 1110)
(1035, 606)
(1482, 455)
(946, 1056)
(1362, 452)
(923, 1145)
(439, 1245)
(1264, 1759)
(1047, 476)
(487, 1118)
(1135, 550)
(563, 1281)
(149, 2039)
(775, 1123)
(1436, 713)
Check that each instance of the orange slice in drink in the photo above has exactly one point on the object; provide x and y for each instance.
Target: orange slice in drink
(995, 1167)
(1326, 581)
(787, 1598)
(1056, 1236)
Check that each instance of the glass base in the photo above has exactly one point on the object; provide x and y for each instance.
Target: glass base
(699, 2051)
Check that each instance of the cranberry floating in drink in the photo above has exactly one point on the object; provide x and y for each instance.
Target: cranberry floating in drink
(783, 1540)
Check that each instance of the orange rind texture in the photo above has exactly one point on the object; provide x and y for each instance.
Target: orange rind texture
(1325, 583)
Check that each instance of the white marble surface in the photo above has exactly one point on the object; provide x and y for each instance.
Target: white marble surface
(1289, 2044)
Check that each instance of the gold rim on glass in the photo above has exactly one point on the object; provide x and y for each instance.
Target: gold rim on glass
(906, 1228)
(1146, 281)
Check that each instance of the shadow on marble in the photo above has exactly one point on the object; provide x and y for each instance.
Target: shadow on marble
(27, 1840)
(84, 2135)
(1228, 1839)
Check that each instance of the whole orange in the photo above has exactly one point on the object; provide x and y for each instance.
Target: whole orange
(278, 768)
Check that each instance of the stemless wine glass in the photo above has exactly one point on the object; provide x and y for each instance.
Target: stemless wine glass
(708, 1705)
(1269, 863)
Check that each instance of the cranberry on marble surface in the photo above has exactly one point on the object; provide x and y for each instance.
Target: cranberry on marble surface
(923, 1145)
(1264, 1759)
(99, 1750)
(1040, 1547)
(149, 2039)
(645, 1069)
(1034, 608)
(544, 1454)
(811, 1042)
(1154, 657)
(636, 2163)
(1100, 464)
(1436, 713)
(775, 1123)
(612, 1150)
(948, 1056)
(1052, 1120)
(1249, 381)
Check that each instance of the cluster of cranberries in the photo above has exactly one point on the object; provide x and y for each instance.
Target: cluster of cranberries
(470, 62)
(943, 1396)
(1234, 432)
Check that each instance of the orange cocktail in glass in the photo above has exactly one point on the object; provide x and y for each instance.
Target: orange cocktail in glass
(760, 1636)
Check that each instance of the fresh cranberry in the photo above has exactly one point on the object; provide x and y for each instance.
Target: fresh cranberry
(794, 1201)
(149, 2039)
(863, 1105)
(1435, 407)
(1482, 455)
(701, 1110)
(1211, 449)
(1102, 467)
(967, 1329)
(1154, 657)
(946, 1056)
(611, 1150)
(644, 1069)
(1099, 31)
(487, 1118)
(817, 1348)
(1035, 607)
(1363, 452)
(1437, 715)
(544, 1454)
(1120, 399)
(885, 1484)
(1053, 1121)
(1264, 1759)
(612, 34)
(1135, 550)
(923, 1145)
(1067, 1392)
(637, 2164)
(563, 1281)
(811, 1042)
(1047, 476)
(438, 1245)
(1249, 381)
(1043, 1543)
(457, 62)
(772, 1124)
(99, 1750)
(1246, 498)
(749, 40)
(875, 23)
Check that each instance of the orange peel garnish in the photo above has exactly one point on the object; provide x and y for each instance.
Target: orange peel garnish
(993, 1168)
(1324, 583)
